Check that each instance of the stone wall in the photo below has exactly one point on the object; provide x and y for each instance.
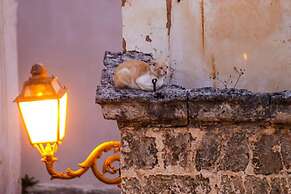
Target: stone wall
(204, 140)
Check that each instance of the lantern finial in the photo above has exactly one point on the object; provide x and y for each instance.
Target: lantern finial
(38, 70)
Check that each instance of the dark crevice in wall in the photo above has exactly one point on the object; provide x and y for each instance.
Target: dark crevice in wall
(202, 12)
(213, 71)
(188, 108)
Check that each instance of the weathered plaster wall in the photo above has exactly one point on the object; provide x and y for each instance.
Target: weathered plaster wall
(201, 38)
(144, 27)
(9, 129)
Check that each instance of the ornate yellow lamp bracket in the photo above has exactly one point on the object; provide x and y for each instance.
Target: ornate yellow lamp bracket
(48, 151)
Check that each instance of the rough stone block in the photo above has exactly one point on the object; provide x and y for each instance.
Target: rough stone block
(281, 107)
(279, 186)
(178, 149)
(231, 184)
(177, 184)
(147, 113)
(139, 152)
(256, 185)
(236, 153)
(285, 142)
(267, 159)
(209, 151)
(227, 105)
(131, 186)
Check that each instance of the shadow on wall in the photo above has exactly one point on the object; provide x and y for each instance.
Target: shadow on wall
(70, 37)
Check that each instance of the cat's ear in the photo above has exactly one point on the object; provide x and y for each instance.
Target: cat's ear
(163, 60)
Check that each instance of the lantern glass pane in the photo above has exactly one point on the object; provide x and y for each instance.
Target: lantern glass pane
(63, 115)
(41, 120)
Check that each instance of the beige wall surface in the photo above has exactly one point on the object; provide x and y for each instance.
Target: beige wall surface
(9, 129)
(70, 37)
(203, 37)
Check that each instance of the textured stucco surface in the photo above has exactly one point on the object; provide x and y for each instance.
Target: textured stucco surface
(10, 150)
(205, 37)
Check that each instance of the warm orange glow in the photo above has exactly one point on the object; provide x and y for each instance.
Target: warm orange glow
(41, 120)
(39, 94)
(63, 115)
(45, 120)
(245, 56)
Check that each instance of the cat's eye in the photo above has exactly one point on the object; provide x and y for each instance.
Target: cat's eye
(154, 64)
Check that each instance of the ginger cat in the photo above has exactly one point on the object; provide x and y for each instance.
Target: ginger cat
(139, 75)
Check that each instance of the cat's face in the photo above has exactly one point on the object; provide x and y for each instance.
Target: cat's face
(159, 69)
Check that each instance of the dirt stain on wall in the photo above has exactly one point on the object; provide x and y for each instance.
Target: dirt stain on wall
(124, 45)
(148, 38)
(123, 3)
(251, 20)
(169, 15)
(202, 12)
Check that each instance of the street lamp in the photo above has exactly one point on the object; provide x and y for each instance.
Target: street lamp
(42, 104)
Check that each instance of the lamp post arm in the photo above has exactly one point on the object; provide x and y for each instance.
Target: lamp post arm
(50, 161)
(91, 161)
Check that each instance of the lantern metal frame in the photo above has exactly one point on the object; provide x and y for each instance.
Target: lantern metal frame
(48, 149)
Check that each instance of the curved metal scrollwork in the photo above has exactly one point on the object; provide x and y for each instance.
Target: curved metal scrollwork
(90, 162)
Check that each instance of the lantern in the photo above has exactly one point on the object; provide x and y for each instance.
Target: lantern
(42, 104)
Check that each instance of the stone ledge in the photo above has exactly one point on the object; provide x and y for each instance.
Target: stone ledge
(228, 105)
(65, 189)
(174, 106)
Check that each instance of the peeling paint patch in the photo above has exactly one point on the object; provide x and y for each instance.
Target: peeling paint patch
(169, 16)
(123, 3)
(148, 38)
(124, 45)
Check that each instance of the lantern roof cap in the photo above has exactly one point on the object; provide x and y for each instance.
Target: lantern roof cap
(40, 86)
